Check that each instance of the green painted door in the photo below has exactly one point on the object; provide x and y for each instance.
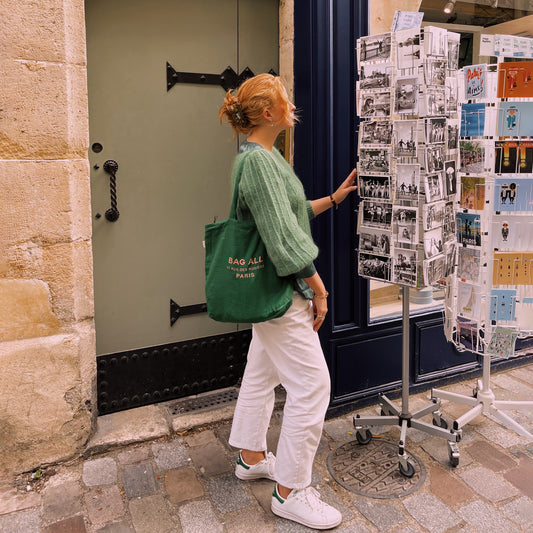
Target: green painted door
(173, 156)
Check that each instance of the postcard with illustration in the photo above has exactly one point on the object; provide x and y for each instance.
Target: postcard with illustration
(375, 240)
(405, 224)
(512, 232)
(405, 135)
(433, 242)
(375, 76)
(502, 342)
(375, 132)
(468, 264)
(472, 156)
(408, 48)
(374, 266)
(434, 269)
(404, 267)
(468, 229)
(406, 95)
(377, 187)
(514, 157)
(472, 120)
(515, 79)
(407, 182)
(375, 103)
(374, 161)
(374, 47)
(468, 334)
(433, 187)
(513, 194)
(502, 304)
(376, 213)
(468, 299)
(433, 215)
(472, 193)
(512, 268)
(450, 178)
(475, 81)
(515, 119)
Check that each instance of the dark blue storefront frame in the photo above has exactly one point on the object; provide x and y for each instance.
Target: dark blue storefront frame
(364, 358)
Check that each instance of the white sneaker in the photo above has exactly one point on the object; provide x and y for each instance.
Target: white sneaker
(305, 507)
(262, 469)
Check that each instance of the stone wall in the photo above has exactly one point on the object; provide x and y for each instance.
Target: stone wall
(47, 353)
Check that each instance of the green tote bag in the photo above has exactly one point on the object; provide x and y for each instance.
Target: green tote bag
(241, 283)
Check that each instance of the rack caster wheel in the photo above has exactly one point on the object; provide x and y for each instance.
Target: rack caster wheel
(408, 470)
(453, 454)
(363, 436)
(440, 422)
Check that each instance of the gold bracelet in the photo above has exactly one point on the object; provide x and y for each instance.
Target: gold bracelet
(321, 296)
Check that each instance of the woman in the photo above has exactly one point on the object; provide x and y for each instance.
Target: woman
(284, 350)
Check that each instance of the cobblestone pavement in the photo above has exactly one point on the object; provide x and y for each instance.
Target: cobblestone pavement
(175, 480)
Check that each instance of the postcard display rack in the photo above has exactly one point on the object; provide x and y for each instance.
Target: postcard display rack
(489, 300)
(408, 155)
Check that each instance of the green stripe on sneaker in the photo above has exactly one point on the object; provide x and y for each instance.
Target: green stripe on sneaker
(242, 463)
(276, 495)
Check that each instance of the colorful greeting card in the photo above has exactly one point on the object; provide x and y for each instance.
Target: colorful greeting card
(472, 120)
(475, 81)
(472, 193)
(515, 79)
(512, 194)
(502, 304)
(502, 342)
(469, 229)
(515, 119)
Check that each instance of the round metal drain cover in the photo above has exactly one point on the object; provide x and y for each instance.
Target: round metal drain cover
(372, 469)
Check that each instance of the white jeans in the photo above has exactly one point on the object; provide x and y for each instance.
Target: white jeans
(285, 350)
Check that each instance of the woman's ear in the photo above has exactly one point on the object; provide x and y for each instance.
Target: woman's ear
(267, 115)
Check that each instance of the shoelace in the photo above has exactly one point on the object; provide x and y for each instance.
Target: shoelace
(312, 497)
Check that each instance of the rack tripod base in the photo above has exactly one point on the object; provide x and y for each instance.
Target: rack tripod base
(392, 416)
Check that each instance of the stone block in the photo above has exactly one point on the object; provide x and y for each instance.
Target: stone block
(11, 500)
(489, 456)
(117, 527)
(75, 524)
(430, 512)
(101, 471)
(487, 484)
(199, 517)
(137, 454)
(44, 415)
(521, 476)
(25, 310)
(139, 480)
(182, 485)
(75, 45)
(241, 521)
(210, 459)
(22, 521)
(483, 517)
(151, 515)
(171, 454)
(126, 427)
(383, 516)
(62, 501)
(447, 487)
(227, 493)
(201, 438)
(104, 504)
(520, 511)
(262, 491)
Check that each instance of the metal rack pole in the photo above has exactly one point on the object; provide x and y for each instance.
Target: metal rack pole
(405, 351)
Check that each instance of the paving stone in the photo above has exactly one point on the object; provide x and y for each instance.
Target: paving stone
(27, 521)
(139, 480)
(383, 516)
(169, 455)
(521, 476)
(430, 512)
(104, 504)
(227, 493)
(201, 438)
(243, 519)
(483, 517)
(498, 434)
(262, 490)
(151, 515)
(62, 501)
(485, 483)
(182, 485)
(447, 487)
(438, 449)
(101, 471)
(210, 459)
(339, 429)
(76, 524)
(489, 456)
(11, 500)
(118, 527)
(520, 511)
(409, 529)
(518, 389)
(199, 517)
(134, 455)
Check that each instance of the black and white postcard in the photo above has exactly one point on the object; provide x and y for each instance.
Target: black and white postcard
(433, 187)
(451, 94)
(375, 132)
(435, 158)
(454, 43)
(374, 240)
(376, 187)
(405, 134)
(376, 213)
(408, 48)
(407, 182)
(374, 161)
(435, 130)
(404, 267)
(375, 103)
(374, 47)
(374, 266)
(435, 102)
(434, 269)
(406, 95)
(433, 242)
(435, 41)
(435, 72)
(405, 224)
(375, 76)
(450, 177)
(452, 140)
(448, 225)
(450, 250)
(433, 215)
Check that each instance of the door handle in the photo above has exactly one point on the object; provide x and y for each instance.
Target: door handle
(111, 167)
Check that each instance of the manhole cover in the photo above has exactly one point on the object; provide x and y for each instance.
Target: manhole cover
(372, 469)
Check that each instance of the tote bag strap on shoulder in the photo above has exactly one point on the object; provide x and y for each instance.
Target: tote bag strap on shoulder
(235, 199)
